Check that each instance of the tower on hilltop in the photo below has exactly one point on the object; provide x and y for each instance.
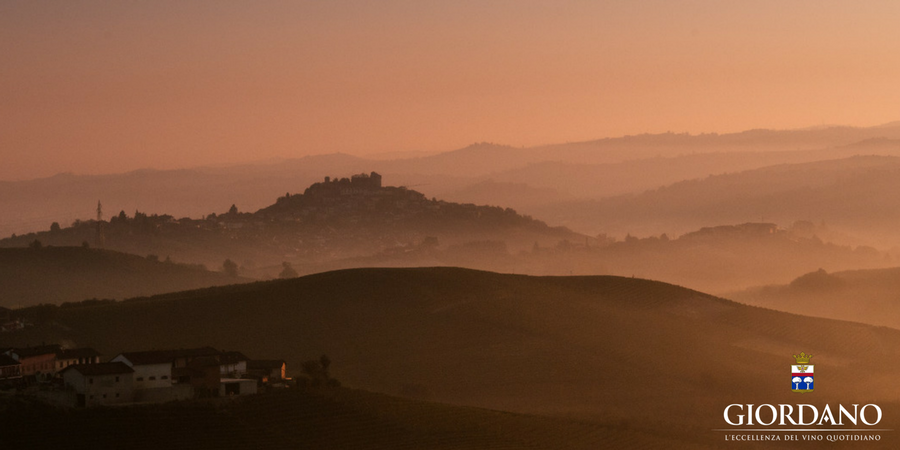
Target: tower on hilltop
(101, 240)
(364, 180)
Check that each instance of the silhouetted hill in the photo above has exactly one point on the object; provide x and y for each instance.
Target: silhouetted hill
(327, 419)
(638, 175)
(654, 355)
(71, 274)
(869, 296)
(857, 195)
(663, 145)
(332, 220)
(31, 206)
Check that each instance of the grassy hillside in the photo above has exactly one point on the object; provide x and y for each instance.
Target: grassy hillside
(870, 296)
(599, 348)
(70, 274)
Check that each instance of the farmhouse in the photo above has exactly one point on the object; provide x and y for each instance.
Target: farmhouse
(70, 357)
(37, 362)
(9, 368)
(100, 384)
(43, 362)
(152, 369)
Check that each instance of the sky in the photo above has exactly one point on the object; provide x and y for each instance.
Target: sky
(111, 86)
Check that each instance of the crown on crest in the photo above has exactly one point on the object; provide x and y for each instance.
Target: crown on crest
(802, 358)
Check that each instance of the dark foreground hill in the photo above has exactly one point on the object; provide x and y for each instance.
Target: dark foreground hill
(29, 276)
(329, 419)
(869, 296)
(654, 355)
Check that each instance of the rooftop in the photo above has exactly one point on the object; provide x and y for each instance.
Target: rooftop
(167, 356)
(265, 364)
(77, 353)
(37, 351)
(109, 368)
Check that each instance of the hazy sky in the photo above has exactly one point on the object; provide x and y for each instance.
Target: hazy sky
(94, 87)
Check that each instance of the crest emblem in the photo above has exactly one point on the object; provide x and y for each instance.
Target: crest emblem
(802, 374)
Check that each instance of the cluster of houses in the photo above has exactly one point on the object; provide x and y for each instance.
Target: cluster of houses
(77, 377)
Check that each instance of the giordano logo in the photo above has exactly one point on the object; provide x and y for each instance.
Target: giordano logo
(818, 422)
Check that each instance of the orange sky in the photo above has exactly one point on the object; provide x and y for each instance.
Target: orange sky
(97, 87)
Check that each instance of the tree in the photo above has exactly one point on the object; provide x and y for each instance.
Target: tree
(808, 380)
(36, 245)
(233, 210)
(325, 362)
(796, 381)
(316, 371)
(313, 370)
(287, 271)
(54, 227)
(230, 268)
(85, 244)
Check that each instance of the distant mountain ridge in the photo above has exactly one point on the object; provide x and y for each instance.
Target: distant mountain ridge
(857, 195)
(591, 169)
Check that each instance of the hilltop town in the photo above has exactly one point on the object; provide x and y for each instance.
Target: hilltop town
(335, 219)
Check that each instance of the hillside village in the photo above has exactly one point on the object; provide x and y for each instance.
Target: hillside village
(76, 377)
(333, 219)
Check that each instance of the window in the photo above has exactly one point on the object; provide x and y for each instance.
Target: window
(152, 378)
(92, 397)
(117, 395)
(140, 378)
(164, 377)
(90, 381)
(117, 379)
(104, 395)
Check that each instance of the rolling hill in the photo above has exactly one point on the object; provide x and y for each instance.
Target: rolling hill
(71, 274)
(869, 296)
(327, 419)
(598, 348)
(856, 195)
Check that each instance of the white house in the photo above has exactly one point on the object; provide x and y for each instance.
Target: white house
(152, 369)
(100, 384)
